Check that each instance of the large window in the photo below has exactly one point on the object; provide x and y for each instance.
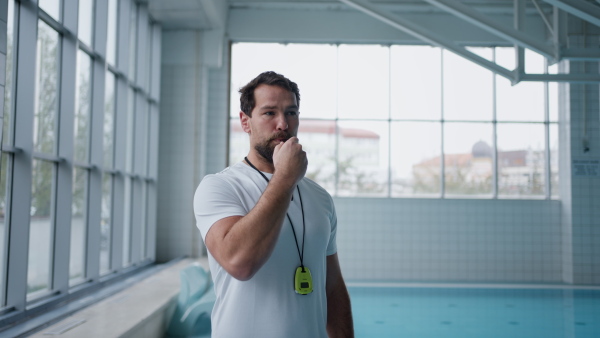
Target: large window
(75, 150)
(412, 121)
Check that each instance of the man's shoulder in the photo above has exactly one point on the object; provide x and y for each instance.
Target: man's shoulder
(315, 188)
(231, 172)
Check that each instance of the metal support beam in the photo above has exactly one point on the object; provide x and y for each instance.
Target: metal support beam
(519, 21)
(571, 78)
(581, 54)
(429, 37)
(480, 20)
(581, 9)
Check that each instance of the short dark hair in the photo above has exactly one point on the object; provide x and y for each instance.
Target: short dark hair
(247, 101)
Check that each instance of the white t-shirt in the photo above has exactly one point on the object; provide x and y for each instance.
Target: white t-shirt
(267, 305)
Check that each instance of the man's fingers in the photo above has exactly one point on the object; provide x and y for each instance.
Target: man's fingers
(278, 147)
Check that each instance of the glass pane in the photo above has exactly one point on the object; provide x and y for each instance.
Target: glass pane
(521, 159)
(505, 57)
(521, 102)
(145, 78)
(534, 62)
(144, 218)
(132, 39)
(46, 91)
(553, 89)
(318, 140)
(106, 223)
(78, 225)
(127, 224)
(111, 37)
(363, 86)
(41, 229)
(3, 224)
(416, 158)
(52, 7)
(416, 82)
(83, 99)
(239, 142)
(130, 130)
(8, 87)
(363, 158)
(554, 158)
(141, 141)
(250, 59)
(468, 158)
(468, 90)
(86, 21)
(484, 52)
(317, 83)
(109, 117)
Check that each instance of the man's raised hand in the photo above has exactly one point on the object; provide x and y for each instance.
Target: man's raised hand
(290, 160)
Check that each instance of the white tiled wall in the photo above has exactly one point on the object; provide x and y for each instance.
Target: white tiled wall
(584, 210)
(178, 144)
(193, 138)
(449, 240)
(218, 121)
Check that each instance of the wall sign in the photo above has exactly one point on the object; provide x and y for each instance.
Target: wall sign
(587, 168)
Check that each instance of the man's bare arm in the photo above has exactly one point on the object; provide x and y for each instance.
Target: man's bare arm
(242, 245)
(339, 311)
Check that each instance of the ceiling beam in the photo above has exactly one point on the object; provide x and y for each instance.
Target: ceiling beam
(429, 37)
(579, 8)
(482, 21)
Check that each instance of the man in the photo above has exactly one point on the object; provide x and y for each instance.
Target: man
(270, 232)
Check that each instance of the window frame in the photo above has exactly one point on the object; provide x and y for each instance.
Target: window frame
(393, 118)
(19, 304)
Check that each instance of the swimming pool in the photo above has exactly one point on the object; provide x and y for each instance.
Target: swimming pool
(440, 312)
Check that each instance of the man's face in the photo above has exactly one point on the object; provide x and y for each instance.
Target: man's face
(274, 119)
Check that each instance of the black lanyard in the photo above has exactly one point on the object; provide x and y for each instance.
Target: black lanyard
(300, 254)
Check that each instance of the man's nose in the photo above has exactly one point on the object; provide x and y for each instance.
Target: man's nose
(282, 123)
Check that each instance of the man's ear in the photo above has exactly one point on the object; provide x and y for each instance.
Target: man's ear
(244, 120)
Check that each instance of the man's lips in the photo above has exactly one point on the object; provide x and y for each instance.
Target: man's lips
(280, 138)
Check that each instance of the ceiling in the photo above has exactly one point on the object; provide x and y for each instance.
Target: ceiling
(208, 14)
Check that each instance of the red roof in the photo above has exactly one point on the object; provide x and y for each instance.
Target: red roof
(322, 127)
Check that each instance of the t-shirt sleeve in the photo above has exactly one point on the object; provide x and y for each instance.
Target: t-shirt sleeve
(214, 200)
(332, 245)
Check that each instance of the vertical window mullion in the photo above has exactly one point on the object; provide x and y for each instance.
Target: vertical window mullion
(94, 215)
(156, 59)
(65, 168)
(494, 135)
(443, 127)
(123, 36)
(139, 168)
(121, 107)
(389, 122)
(141, 59)
(337, 114)
(94, 210)
(547, 154)
(6, 136)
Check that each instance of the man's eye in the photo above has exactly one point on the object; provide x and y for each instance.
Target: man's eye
(292, 113)
(269, 113)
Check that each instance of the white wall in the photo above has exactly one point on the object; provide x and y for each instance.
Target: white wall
(178, 146)
(449, 240)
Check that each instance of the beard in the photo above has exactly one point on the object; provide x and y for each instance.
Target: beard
(266, 148)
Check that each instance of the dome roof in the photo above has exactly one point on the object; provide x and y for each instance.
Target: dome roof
(481, 149)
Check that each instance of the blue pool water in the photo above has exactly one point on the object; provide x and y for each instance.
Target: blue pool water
(475, 312)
